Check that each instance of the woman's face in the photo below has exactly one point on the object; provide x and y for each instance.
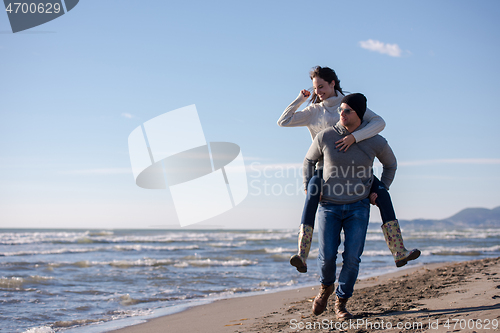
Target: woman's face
(323, 89)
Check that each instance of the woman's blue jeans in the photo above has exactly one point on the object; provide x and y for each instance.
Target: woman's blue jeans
(383, 201)
(353, 219)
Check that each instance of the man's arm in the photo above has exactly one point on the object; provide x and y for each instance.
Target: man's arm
(388, 159)
(314, 154)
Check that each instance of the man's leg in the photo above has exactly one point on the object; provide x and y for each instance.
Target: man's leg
(329, 226)
(355, 225)
(329, 240)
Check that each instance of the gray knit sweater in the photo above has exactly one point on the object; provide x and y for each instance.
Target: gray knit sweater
(348, 176)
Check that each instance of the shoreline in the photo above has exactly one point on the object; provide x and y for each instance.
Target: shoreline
(289, 310)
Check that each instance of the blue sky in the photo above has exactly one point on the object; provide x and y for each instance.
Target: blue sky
(73, 89)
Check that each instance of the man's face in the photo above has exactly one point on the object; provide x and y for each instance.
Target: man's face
(348, 117)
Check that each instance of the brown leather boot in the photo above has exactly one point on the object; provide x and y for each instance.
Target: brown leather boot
(321, 300)
(340, 309)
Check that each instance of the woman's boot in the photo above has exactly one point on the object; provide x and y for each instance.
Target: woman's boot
(305, 238)
(394, 241)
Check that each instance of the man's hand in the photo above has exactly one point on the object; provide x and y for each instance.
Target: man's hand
(345, 142)
(373, 197)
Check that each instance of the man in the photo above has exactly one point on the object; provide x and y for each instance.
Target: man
(345, 202)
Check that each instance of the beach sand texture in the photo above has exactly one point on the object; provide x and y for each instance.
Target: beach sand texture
(448, 297)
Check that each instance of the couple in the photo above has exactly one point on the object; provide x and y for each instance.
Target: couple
(338, 171)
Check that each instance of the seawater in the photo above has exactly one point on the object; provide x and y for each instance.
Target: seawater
(94, 280)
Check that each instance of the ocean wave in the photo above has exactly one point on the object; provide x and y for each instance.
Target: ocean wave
(277, 284)
(41, 329)
(222, 238)
(127, 300)
(193, 260)
(227, 244)
(136, 247)
(266, 237)
(52, 251)
(265, 250)
(183, 264)
(18, 282)
(112, 315)
(279, 250)
(472, 233)
(210, 262)
(120, 314)
(376, 253)
(100, 233)
(83, 264)
(461, 251)
(137, 263)
(213, 238)
(280, 257)
(147, 262)
(375, 237)
(76, 322)
(22, 238)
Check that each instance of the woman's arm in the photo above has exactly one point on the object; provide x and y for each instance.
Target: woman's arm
(375, 125)
(292, 118)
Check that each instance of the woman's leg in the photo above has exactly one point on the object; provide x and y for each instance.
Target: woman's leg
(307, 223)
(384, 202)
(390, 226)
(312, 199)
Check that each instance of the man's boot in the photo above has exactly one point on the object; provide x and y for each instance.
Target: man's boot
(305, 239)
(394, 241)
(340, 310)
(321, 300)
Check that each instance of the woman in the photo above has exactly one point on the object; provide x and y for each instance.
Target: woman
(319, 115)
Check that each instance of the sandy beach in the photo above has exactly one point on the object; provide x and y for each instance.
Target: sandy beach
(448, 297)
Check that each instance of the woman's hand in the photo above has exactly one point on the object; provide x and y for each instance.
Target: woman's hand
(345, 142)
(373, 197)
(305, 93)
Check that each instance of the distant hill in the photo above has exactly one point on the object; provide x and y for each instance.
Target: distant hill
(467, 218)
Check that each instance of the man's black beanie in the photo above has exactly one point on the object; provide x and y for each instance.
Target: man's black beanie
(357, 102)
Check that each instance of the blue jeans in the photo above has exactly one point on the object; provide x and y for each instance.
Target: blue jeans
(353, 219)
(383, 201)
(312, 198)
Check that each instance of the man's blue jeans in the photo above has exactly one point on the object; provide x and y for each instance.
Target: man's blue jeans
(383, 201)
(353, 219)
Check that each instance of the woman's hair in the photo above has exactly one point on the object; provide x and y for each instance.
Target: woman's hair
(327, 74)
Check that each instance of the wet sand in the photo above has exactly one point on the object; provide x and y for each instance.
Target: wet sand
(446, 297)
